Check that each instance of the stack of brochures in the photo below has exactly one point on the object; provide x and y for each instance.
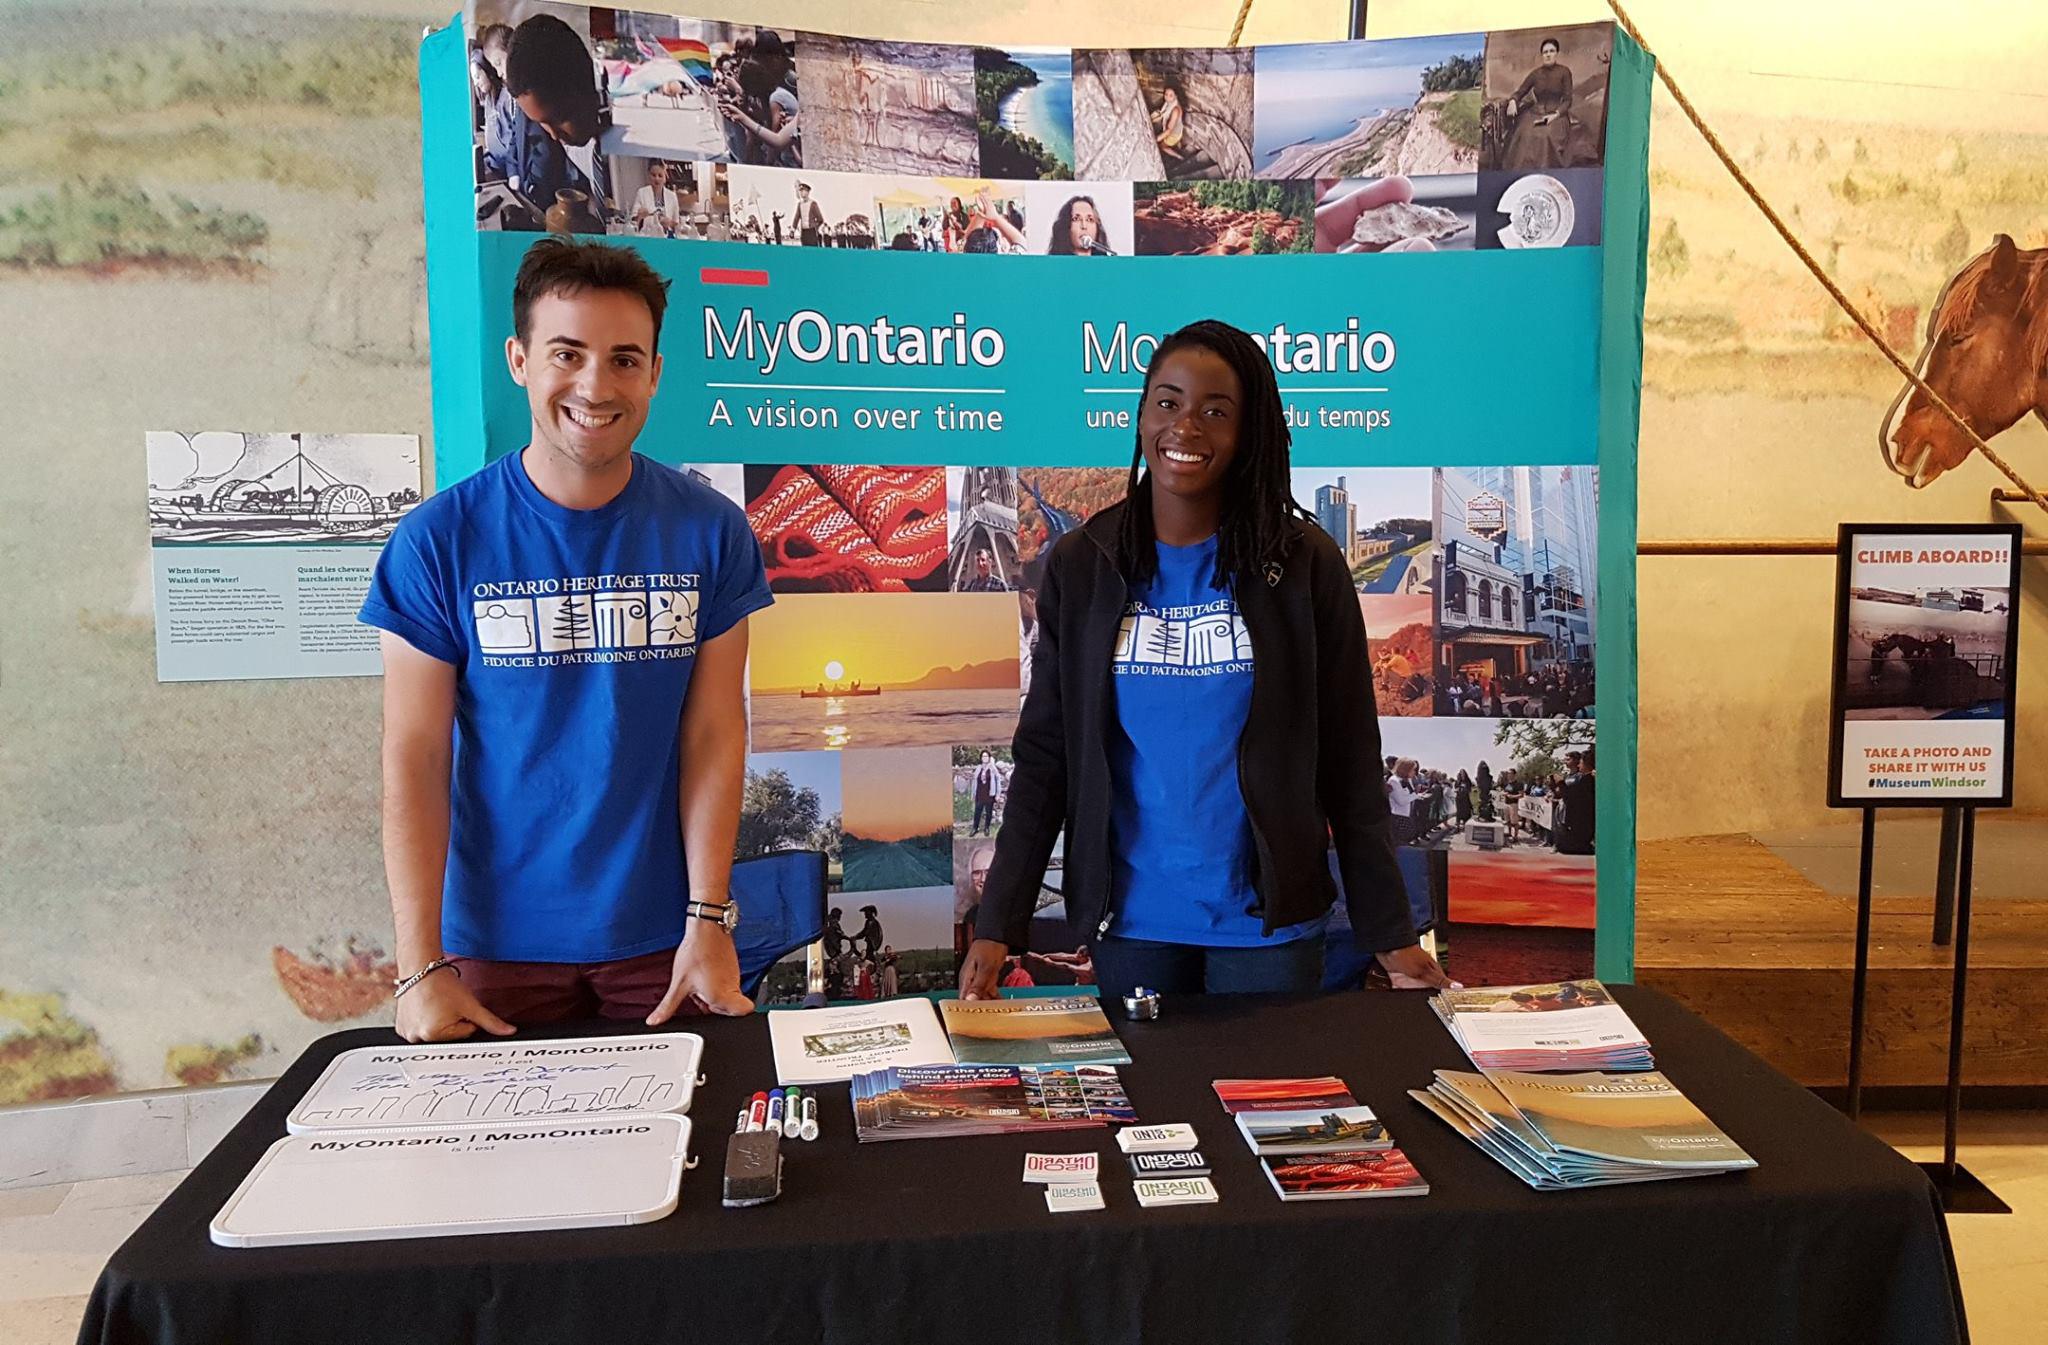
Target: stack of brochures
(1345, 1176)
(1565, 1131)
(1567, 1025)
(941, 1101)
(1035, 1030)
(1317, 1131)
(1314, 1140)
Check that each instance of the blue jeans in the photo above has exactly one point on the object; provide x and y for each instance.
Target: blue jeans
(1186, 969)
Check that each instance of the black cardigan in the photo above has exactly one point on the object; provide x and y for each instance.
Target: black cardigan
(1308, 761)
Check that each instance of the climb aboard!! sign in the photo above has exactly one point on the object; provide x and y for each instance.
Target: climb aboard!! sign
(1924, 682)
(933, 275)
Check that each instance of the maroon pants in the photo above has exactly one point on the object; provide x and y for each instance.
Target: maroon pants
(554, 992)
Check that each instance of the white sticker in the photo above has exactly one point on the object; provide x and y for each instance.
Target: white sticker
(1156, 1139)
(1061, 1168)
(1175, 1191)
(1071, 1196)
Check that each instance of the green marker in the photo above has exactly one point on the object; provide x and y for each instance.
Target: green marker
(792, 1113)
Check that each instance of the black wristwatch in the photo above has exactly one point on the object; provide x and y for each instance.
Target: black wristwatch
(721, 913)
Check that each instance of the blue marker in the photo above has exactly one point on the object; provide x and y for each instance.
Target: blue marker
(775, 1109)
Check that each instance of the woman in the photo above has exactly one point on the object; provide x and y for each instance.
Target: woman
(657, 209)
(955, 224)
(1198, 801)
(758, 109)
(1077, 230)
(990, 229)
(1169, 126)
(1464, 792)
(1540, 111)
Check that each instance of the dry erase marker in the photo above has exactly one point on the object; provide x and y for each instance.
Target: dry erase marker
(809, 1129)
(740, 1126)
(792, 1113)
(757, 1112)
(775, 1110)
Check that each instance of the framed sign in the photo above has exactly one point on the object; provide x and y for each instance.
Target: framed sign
(1925, 647)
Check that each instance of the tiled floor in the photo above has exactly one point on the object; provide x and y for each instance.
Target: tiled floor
(54, 1239)
(53, 1242)
(2004, 1257)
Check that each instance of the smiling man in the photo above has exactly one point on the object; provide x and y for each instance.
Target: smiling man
(564, 637)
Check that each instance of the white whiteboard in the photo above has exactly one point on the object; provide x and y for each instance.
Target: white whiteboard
(464, 1083)
(434, 1181)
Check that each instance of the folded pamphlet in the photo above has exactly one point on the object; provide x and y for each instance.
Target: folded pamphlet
(1345, 1175)
(1319, 1131)
(941, 1101)
(1563, 1025)
(1037, 1030)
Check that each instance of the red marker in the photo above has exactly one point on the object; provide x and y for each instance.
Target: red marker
(757, 1112)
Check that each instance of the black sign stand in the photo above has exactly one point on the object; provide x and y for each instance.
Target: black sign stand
(1962, 1192)
(1860, 985)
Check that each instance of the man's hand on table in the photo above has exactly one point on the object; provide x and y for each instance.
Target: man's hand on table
(1412, 968)
(708, 967)
(978, 971)
(441, 1008)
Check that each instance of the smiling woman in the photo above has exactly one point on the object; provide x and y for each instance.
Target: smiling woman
(1198, 801)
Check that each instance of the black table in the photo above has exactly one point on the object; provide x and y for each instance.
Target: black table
(1833, 1238)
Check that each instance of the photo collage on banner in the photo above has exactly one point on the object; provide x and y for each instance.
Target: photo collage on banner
(1477, 589)
(658, 126)
(883, 689)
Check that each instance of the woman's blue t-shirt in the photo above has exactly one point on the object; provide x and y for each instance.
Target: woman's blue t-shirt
(1182, 853)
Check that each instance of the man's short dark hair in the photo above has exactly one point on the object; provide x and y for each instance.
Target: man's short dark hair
(549, 61)
(567, 267)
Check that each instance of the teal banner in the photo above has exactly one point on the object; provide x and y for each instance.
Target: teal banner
(940, 270)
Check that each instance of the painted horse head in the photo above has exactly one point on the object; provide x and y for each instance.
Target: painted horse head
(1986, 355)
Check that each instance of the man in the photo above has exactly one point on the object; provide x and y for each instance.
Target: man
(869, 936)
(984, 579)
(564, 639)
(810, 218)
(988, 787)
(1575, 826)
(561, 114)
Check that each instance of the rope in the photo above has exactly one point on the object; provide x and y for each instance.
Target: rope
(1244, 11)
(1819, 272)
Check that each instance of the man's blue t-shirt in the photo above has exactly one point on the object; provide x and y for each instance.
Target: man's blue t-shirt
(1182, 853)
(573, 633)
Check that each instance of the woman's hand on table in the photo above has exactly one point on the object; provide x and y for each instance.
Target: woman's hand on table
(1412, 968)
(978, 971)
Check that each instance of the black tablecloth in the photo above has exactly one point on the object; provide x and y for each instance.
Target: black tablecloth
(1833, 1238)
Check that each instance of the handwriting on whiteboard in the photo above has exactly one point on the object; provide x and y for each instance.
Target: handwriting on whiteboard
(428, 1095)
